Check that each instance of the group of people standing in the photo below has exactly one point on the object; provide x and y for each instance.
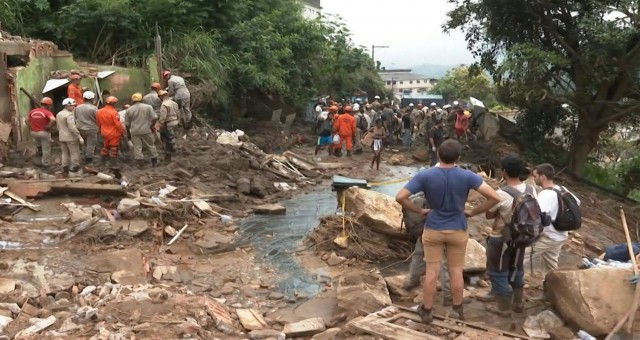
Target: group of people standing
(149, 118)
(377, 125)
(441, 248)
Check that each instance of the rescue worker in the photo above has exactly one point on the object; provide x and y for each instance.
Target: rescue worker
(74, 91)
(345, 127)
(125, 143)
(152, 98)
(69, 137)
(111, 130)
(140, 121)
(40, 121)
(180, 93)
(86, 122)
(168, 120)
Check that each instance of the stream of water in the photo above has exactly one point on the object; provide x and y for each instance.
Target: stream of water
(274, 238)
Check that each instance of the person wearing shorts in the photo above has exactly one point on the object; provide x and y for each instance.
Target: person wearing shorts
(379, 132)
(324, 136)
(446, 188)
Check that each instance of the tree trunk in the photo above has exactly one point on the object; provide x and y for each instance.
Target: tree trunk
(584, 141)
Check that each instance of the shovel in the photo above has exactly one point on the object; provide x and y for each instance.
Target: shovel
(343, 239)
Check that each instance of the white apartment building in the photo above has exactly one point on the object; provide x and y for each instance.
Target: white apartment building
(311, 9)
(402, 82)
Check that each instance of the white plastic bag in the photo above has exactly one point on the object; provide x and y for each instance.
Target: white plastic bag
(336, 139)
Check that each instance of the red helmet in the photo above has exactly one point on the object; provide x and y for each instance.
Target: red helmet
(156, 86)
(333, 109)
(347, 108)
(46, 101)
(166, 74)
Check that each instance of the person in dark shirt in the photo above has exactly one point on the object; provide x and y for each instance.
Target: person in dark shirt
(407, 124)
(324, 135)
(436, 137)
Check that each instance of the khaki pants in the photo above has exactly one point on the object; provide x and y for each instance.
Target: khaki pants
(545, 249)
(185, 106)
(43, 141)
(144, 142)
(90, 141)
(70, 154)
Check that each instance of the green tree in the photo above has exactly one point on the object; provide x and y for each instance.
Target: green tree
(582, 52)
(463, 82)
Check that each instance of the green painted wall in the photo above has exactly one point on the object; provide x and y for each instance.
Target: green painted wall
(123, 83)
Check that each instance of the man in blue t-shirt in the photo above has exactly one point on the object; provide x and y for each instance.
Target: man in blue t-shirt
(446, 188)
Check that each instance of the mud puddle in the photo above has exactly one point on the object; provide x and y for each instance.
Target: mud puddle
(276, 238)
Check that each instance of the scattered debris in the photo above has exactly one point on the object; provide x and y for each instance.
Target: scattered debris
(362, 291)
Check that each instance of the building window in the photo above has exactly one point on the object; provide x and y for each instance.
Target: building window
(394, 82)
(388, 83)
(401, 82)
(410, 81)
(417, 81)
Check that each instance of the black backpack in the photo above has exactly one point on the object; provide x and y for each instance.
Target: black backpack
(527, 221)
(569, 215)
(414, 223)
(362, 123)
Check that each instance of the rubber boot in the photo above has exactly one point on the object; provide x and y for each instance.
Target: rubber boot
(39, 151)
(517, 304)
(459, 309)
(426, 315)
(349, 153)
(113, 162)
(503, 307)
(488, 297)
(103, 160)
(154, 162)
(412, 282)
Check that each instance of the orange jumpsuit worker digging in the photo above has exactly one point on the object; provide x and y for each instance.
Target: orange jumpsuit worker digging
(345, 127)
(74, 91)
(111, 130)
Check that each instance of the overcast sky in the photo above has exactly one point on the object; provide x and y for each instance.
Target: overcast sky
(411, 29)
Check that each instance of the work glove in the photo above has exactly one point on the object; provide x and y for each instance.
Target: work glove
(634, 280)
(81, 141)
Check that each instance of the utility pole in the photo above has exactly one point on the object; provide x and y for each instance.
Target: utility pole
(373, 52)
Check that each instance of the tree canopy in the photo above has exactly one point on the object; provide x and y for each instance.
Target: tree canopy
(585, 53)
(233, 49)
(462, 82)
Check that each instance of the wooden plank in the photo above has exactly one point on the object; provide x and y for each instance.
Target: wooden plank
(251, 319)
(389, 331)
(87, 189)
(28, 190)
(15, 197)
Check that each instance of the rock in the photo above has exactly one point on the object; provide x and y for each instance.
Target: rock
(593, 299)
(6, 313)
(7, 285)
(335, 260)
(304, 328)
(248, 291)
(265, 334)
(135, 227)
(375, 210)
(251, 319)
(397, 159)
(325, 256)
(561, 333)
(127, 205)
(475, 258)
(12, 307)
(171, 231)
(421, 156)
(275, 296)
(395, 283)
(220, 315)
(182, 173)
(62, 295)
(270, 209)
(329, 334)
(243, 185)
(88, 290)
(157, 272)
(361, 291)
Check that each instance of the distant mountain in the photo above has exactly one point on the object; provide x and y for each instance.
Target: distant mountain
(432, 70)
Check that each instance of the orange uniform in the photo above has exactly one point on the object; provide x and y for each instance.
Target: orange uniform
(75, 92)
(345, 127)
(111, 130)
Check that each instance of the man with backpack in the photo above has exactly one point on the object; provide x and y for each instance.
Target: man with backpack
(517, 225)
(563, 208)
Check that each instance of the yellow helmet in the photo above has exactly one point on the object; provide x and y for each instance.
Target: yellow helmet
(136, 97)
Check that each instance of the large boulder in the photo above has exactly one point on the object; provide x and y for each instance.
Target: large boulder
(375, 210)
(475, 257)
(592, 299)
(361, 291)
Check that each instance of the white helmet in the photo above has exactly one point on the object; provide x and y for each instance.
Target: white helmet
(411, 104)
(456, 103)
(434, 104)
(376, 97)
(446, 106)
(68, 101)
(88, 95)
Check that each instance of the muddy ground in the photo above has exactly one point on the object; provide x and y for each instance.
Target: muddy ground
(120, 279)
